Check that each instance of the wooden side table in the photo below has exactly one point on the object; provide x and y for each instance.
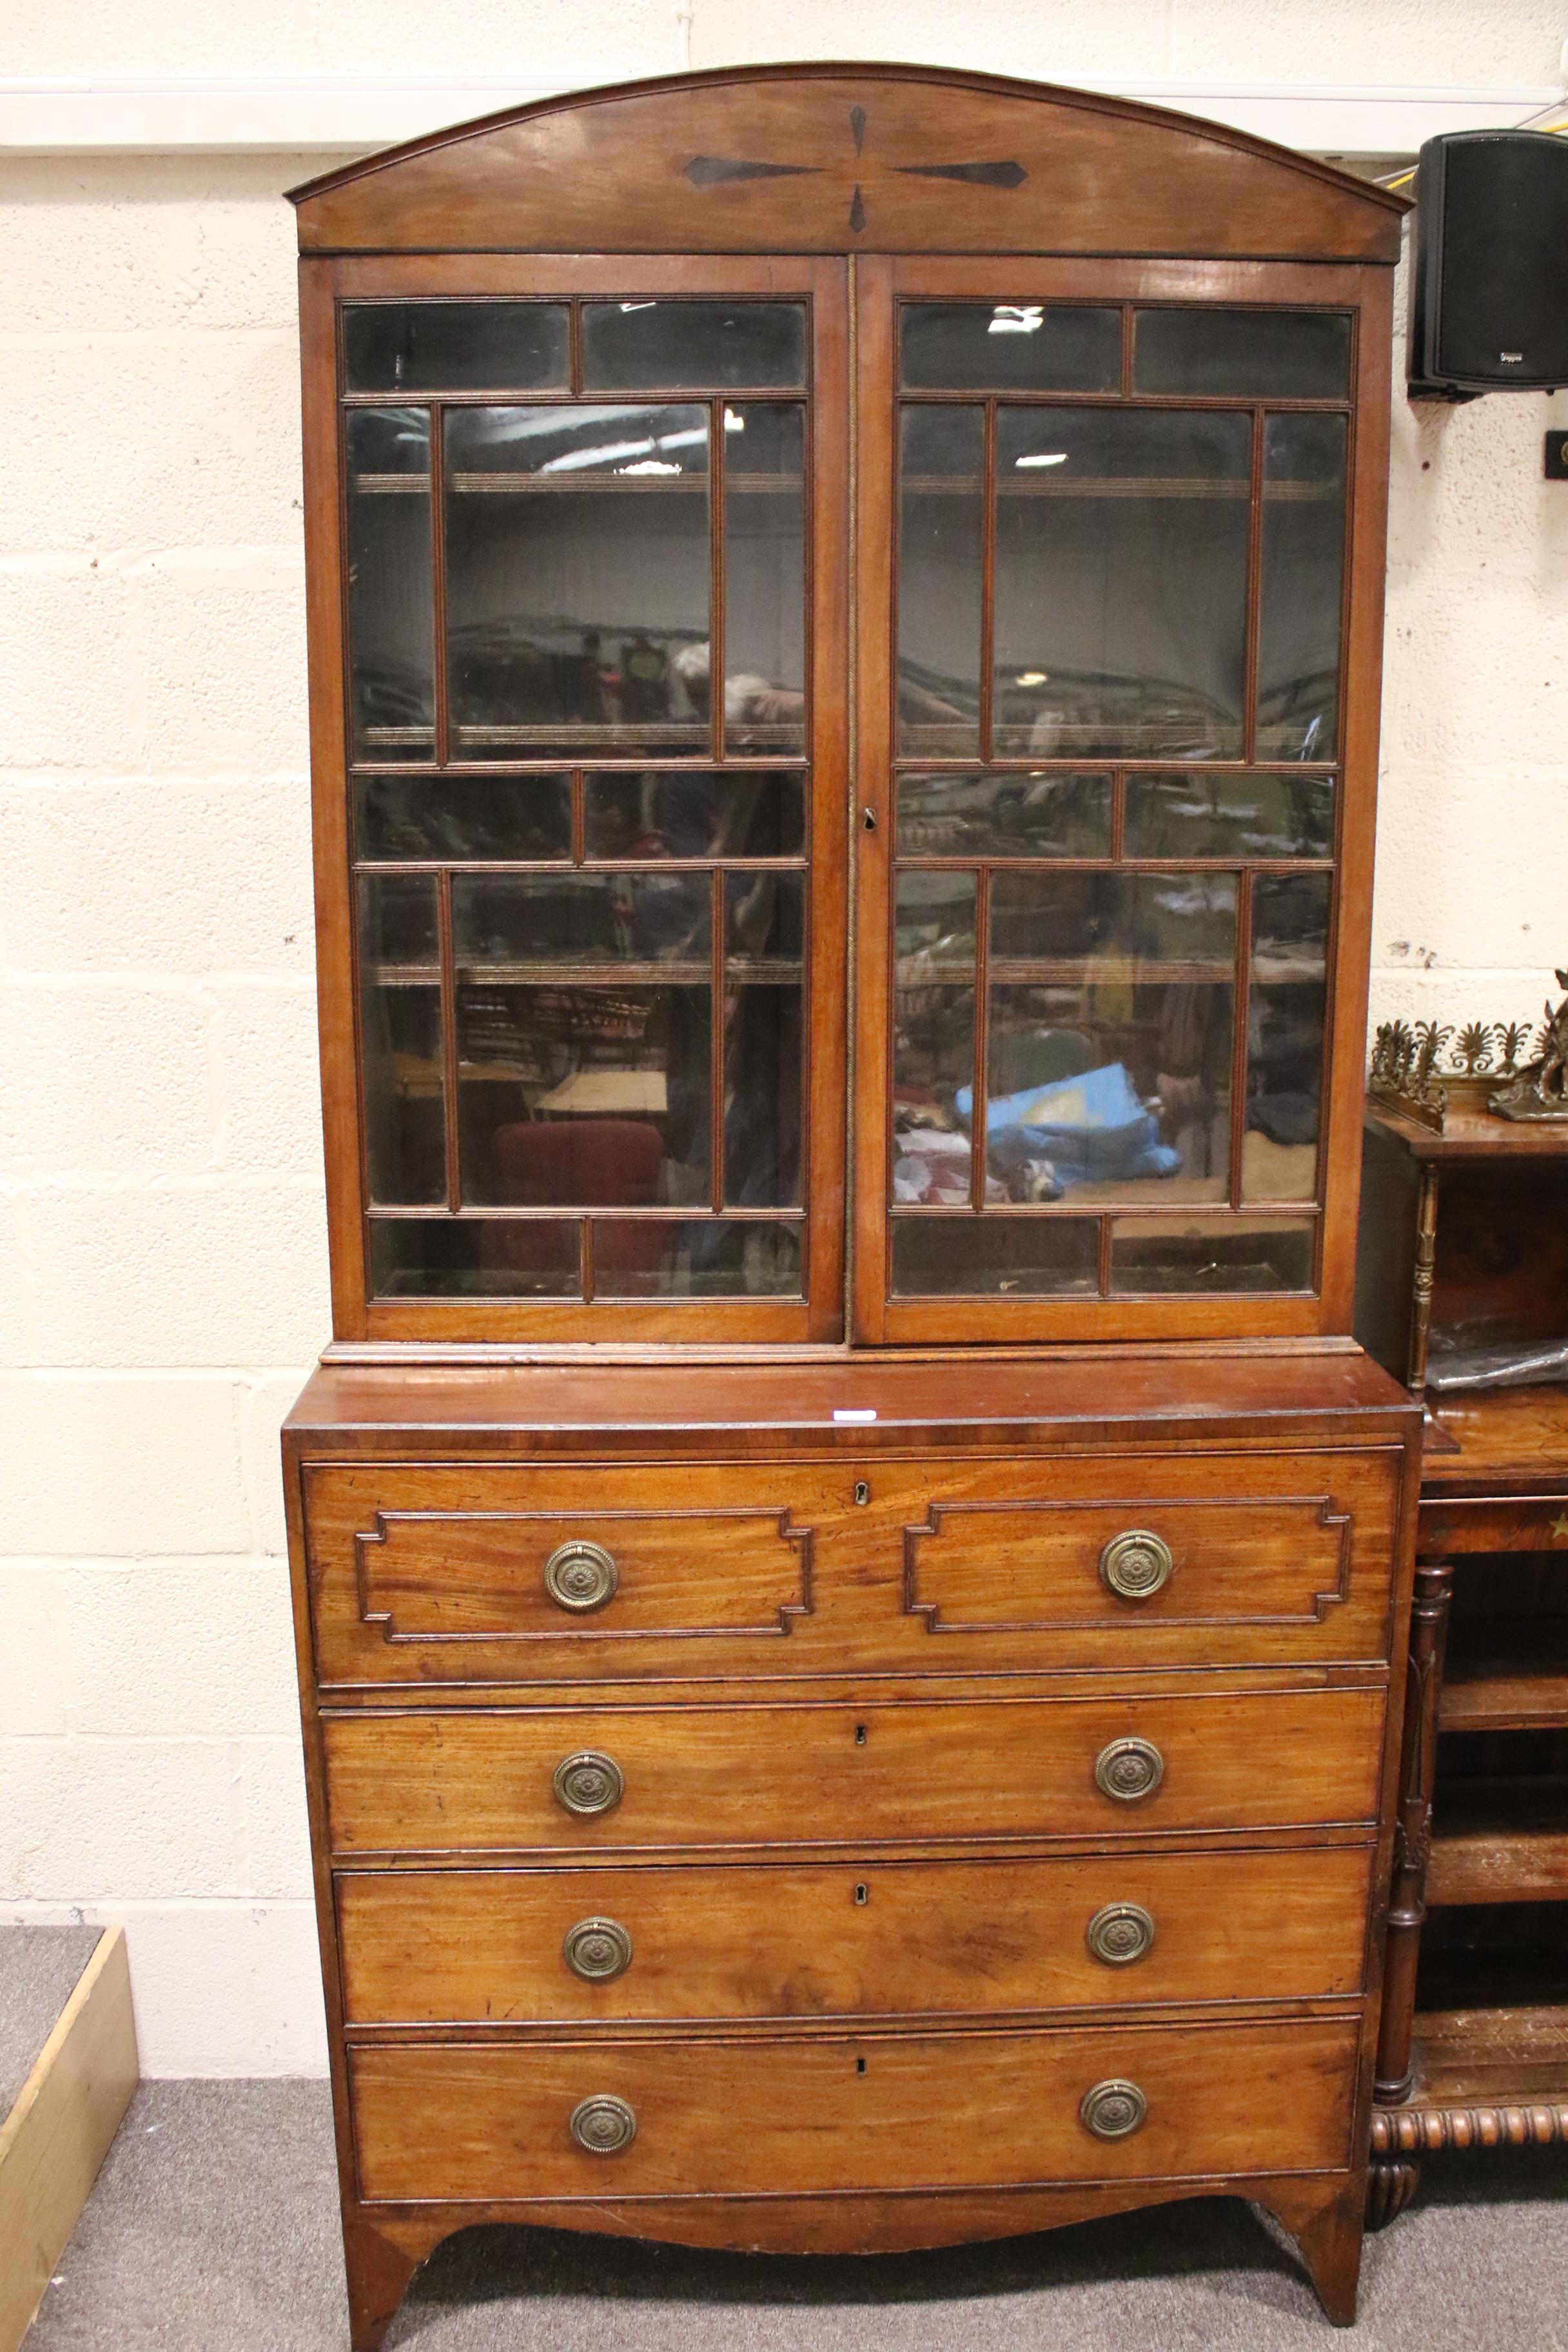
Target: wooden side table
(1473, 2049)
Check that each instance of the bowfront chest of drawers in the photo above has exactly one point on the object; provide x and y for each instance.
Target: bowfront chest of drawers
(846, 1566)
(738, 1827)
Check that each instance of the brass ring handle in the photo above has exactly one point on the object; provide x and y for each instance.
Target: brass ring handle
(1129, 1769)
(1112, 2109)
(581, 1576)
(1121, 1933)
(603, 2125)
(588, 1782)
(598, 1949)
(1135, 1564)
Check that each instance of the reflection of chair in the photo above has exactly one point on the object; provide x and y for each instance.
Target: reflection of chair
(578, 1164)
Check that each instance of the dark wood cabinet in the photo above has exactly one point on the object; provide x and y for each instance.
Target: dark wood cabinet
(844, 620)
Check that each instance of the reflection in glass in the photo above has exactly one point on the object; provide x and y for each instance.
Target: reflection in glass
(582, 1097)
(446, 1257)
(577, 579)
(690, 346)
(1120, 592)
(680, 815)
(996, 1257)
(519, 926)
(764, 578)
(1110, 1039)
(933, 1035)
(456, 818)
(1045, 815)
(1166, 1255)
(763, 944)
(400, 1039)
(940, 540)
(668, 1260)
(1009, 347)
(1303, 570)
(1287, 1010)
(454, 347)
(1195, 815)
(391, 625)
(1247, 354)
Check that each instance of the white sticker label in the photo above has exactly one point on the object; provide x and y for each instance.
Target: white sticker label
(854, 1413)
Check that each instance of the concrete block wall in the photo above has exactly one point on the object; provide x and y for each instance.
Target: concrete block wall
(161, 1218)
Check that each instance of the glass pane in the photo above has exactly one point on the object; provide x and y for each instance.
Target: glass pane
(941, 538)
(1046, 815)
(1108, 1063)
(1161, 1254)
(1251, 354)
(494, 1257)
(456, 818)
(996, 1257)
(390, 624)
(577, 557)
(1121, 596)
(1009, 347)
(681, 346)
(763, 936)
(711, 1260)
(584, 1098)
(1303, 571)
(454, 347)
(400, 1039)
(764, 578)
(1195, 815)
(934, 1036)
(583, 928)
(1286, 1011)
(683, 815)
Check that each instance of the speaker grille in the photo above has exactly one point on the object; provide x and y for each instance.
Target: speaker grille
(1502, 266)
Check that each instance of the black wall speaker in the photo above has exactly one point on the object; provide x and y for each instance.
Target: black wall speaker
(1489, 281)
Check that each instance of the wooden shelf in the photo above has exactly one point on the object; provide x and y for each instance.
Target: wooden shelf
(1518, 1683)
(1496, 2056)
(1503, 1437)
(1500, 1841)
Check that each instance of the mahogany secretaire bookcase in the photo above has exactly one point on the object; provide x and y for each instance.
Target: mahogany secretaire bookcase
(850, 1580)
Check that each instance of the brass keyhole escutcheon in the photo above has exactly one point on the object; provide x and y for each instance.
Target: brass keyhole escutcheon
(581, 1576)
(862, 1491)
(603, 2125)
(1134, 1565)
(1112, 2109)
(1121, 1933)
(1129, 1769)
(598, 1949)
(862, 1892)
(588, 1782)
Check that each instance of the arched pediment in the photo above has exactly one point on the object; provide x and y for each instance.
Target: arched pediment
(848, 159)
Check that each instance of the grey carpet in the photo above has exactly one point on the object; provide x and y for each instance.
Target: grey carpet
(213, 2229)
(38, 1971)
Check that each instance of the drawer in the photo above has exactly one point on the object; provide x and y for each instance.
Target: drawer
(760, 2115)
(431, 1573)
(894, 1772)
(459, 1576)
(827, 1940)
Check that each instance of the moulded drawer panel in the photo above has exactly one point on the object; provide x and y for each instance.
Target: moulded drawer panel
(828, 2113)
(826, 1939)
(427, 1573)
(921, 1769)
(1264, 1560)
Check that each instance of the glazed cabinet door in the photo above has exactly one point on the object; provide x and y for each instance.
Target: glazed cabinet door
(578, 561)
(1119, 538)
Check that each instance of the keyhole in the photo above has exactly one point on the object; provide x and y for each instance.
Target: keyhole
(862, 1491)
(869, 819)
(862, 1893)
(859, 2066)
(859, 1735)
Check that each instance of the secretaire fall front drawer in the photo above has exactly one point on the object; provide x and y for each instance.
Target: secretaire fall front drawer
(586, 1778)
(654, 1941)
(466, 1575)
